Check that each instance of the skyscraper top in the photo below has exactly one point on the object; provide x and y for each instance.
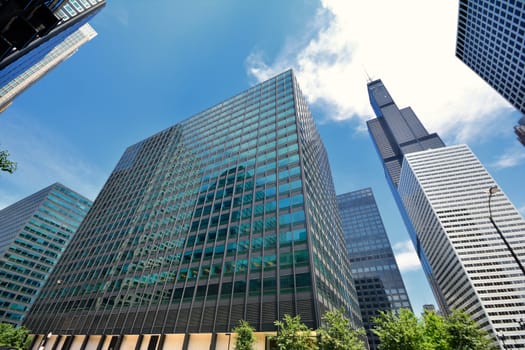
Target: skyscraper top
(396, 131)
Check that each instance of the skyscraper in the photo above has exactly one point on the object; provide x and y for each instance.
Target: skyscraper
(60, 53)
(396, 131)
(227, 215)
(443, 195)
(374, 268)
(490, 40)
(30, 30)
(33, 235)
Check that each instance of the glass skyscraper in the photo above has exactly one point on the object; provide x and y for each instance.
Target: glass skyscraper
(21, 59)
(33, 235)
(58, 54)
(443, 195)
(374, 268)
(227, 215)
(490, 40)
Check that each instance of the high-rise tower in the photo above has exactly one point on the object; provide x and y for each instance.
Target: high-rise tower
(443, 195)
(58, 54)
(490, 41)
(30, 30)
(374, 268)
(227, 215)
(396, 131)
(33, 235)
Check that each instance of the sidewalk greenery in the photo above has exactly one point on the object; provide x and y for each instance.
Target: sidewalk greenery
(404, 331)
(12, 337)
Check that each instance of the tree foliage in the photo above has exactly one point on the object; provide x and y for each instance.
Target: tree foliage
(14, 337)
(292, 334)
(403, 331)
(5, 163)
(337, 334)
(245, 336)
(465, 334)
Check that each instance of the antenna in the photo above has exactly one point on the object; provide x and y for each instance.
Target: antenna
(368, 78)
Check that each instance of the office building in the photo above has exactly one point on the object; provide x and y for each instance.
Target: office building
(443, 195)
(33, 235)
(228, 215)
(490, 40)
(396, 131)
(374, 268)
(57, 55)
(30, 30)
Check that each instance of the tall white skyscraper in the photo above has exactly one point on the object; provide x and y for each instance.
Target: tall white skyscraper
(473, 256)
(445, 192)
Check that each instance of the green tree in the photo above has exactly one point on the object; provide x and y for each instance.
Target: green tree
(292, 334)
(399, 331)
(5, 163)
(245, 336)
(465, 334)
(336, 333)
(14, 337)
(433, 332)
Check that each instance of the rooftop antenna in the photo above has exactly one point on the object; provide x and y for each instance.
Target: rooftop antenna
(368, 78)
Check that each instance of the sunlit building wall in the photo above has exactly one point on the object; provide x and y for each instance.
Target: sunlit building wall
(445, 193)
(228, 215)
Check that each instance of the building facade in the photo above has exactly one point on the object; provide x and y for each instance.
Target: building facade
(227, 215)
(490, 40)
(445, 192)
(374, 268)
(57, 55)
(30, 30)
(443, 195)
(33, 235)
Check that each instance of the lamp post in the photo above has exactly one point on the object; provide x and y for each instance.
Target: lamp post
(493, 190)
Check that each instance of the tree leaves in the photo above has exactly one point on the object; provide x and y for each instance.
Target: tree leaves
(403, 331)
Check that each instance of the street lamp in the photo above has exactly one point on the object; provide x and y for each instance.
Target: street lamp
(493, 190)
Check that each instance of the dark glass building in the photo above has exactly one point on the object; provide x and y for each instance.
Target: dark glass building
(374, 268)
(33, 235)
(490, 40)
(227, 215)
(396, 131)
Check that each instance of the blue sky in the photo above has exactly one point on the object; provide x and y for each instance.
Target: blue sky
(152, 66)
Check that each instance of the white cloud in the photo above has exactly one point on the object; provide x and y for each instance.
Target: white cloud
(406, 256)
(511, 158)
(409, 45)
